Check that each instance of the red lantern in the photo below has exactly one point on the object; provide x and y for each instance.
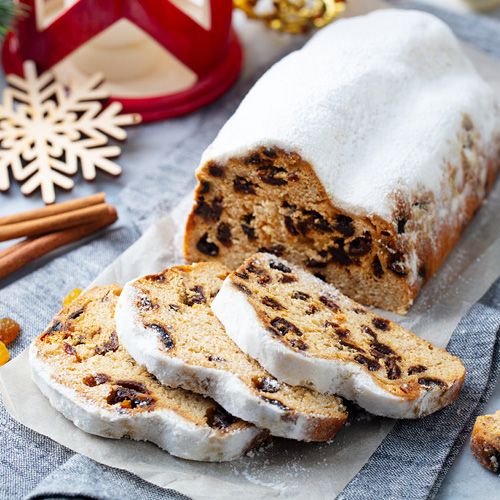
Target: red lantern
(161, 58)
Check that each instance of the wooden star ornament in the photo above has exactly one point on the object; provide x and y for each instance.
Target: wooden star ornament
(47, 131)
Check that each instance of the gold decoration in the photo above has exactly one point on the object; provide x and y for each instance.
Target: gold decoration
(47, 131)
(292, 16)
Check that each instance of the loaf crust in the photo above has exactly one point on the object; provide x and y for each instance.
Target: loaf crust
(485, 441)
(80, 366)
(166, 323)
(365, 177)
(307, 333)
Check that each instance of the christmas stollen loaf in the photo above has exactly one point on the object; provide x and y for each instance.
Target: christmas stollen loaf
(485, 441)
(166, 324)
(362, 157)
(80, 366)
(305, 332)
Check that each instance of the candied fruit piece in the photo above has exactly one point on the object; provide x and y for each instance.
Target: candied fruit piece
(74, 294)
(4, 354)
(9, 330)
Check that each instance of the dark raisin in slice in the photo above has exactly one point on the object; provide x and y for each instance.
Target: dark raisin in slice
(328, 302)
(311, 310)
(266, 384)
(298, 344)
(371, 364)
(300, 295)
(218, 418)
(381, 323)
(129, 398)
(264, 279)
(380, 350)
(97, 379)
(207, 247)
(162, 333)
(360, 246)
(195, 295)
(274, 249)
(224, 234)
(133, 384)
(288, 278)
(320, 276)
(243, 185)
(282, 326)
(243, 275)
(272, 175)
(270, 152)
(377, 269)
(253, 159)
(173, 307)
(352, 346)
(315, 264)
(216, 170)
(249, 231)
(279, 266)
(110, 345)
(416, 369)
(338, 253)
(76, 313)
(317, 221)
(343, 224)
(209, 211)
(243, 288)
(396, 264)
(273, 304)
(343, 333)
(144, 303)
(369, 331)
(69, 349)
(204, 187)
(290, 226)
(401, 223)
(275, 402)
(431, 382)
(392, 368)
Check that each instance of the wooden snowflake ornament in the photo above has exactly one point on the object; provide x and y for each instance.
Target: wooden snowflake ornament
(47, 131)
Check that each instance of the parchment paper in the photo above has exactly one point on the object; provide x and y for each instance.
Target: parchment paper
(286, 468)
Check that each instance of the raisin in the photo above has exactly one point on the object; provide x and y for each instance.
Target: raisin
(422, 271)
(273, 304)
(243, 275)
(216, 170)
(371, 364)
(401, 223)
(163, 334)
(275, 402)
(173, 307)
(380, 350)
(352, 346)
(69, 349)
(266, 384)
(248, 218)
(431, 382)
(132, 384)
(209, 211)
(270, 174)
(204, 187)
(252, 268)
(216, 359)
(392, 368)
(288, 278)
(396, 264)
(9, 330)
(381, 323)
(360, 246)
(249, 231)
(264, 279)
(270, 153)
(277, 250)
(359, 310)
(195, 295)
(317, 221)
(342, 332)
(224, 234)
(311, 310)
(243, 288)
(369, 331)
(76, 314)
(158, 278)
(279, 266)
(129, 398)
(416, 369)
(320, 276)
(343, 224)
(316, 264)
(338, 253)
(207, 247)
(378, 272)
(290, 226)
(110, 345)
(218, 418)
(300, 295)
(328, 302)
(144, 303)
(298, 344)
(97, 379)
(243, 185)
(282, 326)
(253, 159)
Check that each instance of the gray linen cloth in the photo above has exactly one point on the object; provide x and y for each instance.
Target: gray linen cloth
(34, 466)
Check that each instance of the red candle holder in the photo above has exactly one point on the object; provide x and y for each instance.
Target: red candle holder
(193, 54)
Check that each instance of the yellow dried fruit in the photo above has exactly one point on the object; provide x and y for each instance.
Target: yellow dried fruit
(9, 330)
(74, 294)
(4, 354)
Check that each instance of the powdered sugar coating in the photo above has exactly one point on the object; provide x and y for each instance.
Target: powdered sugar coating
(374, 103)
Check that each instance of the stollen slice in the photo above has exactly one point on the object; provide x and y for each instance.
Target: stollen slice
(485, 441)
(306, 333)
(80, 366)
(166, 324)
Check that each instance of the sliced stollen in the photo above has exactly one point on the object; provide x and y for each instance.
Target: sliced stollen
(165, 322)
(82, 369)
(306, 333)
(485, 441)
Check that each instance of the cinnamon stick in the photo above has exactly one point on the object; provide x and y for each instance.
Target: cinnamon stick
(55, 222)
(55, 209)
(31, 249)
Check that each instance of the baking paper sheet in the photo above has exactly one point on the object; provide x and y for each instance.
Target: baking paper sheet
(286, 468)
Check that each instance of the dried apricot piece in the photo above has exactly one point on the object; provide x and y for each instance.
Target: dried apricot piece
(4, 354)
(74, 294)
(9, 330)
